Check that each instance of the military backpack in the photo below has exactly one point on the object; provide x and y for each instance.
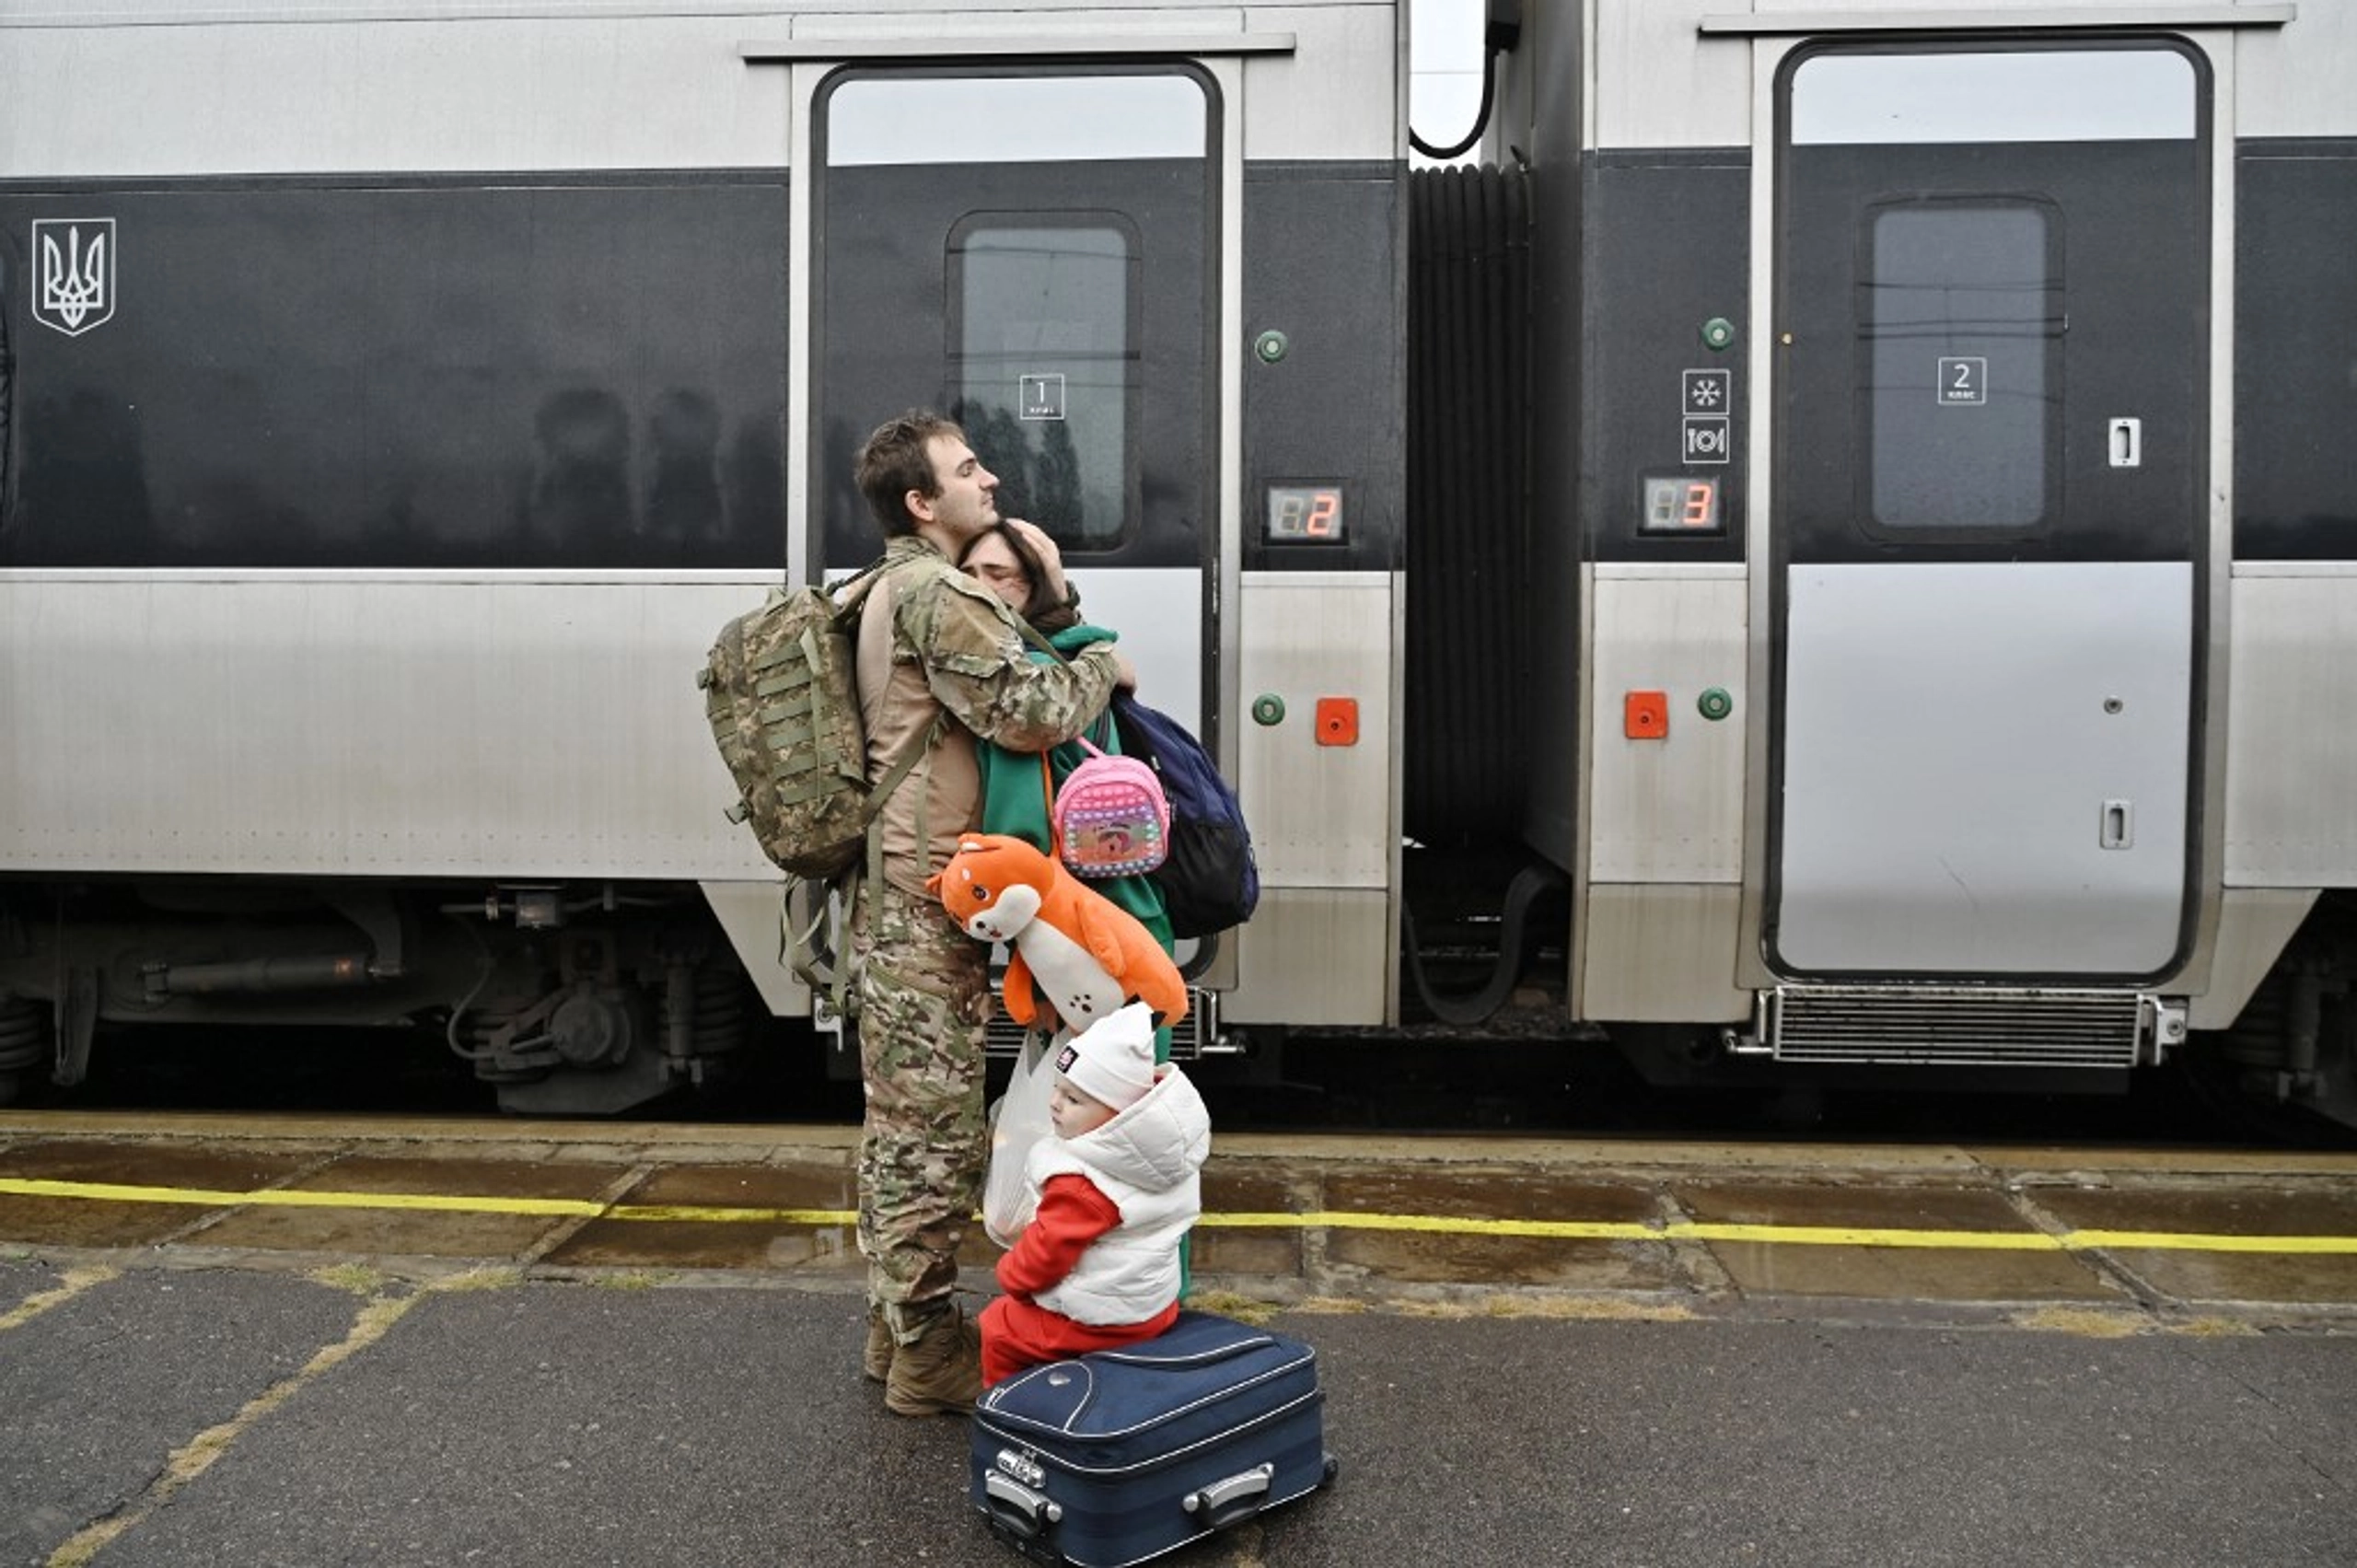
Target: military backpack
(779, 691)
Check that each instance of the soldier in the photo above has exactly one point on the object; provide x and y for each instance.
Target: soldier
(939, 652)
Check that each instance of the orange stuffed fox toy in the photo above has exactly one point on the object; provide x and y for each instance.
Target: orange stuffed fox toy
(1081, 951)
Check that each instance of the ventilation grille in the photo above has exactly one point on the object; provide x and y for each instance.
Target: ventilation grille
(1958, 1026)
(1004, 1037)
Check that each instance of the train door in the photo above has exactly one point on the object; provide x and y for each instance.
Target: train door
(1032, 249)
(1990, 413)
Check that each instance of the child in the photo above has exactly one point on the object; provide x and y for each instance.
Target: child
(1112, 1192)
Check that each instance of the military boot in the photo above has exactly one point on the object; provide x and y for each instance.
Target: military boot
(938, 1372)
(875, 1359)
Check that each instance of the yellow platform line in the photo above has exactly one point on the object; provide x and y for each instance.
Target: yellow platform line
(1634, 1230)
(1438, 1224)
(1441, 1225)
(2173, 1241)
(678, 1213)
(295, 1198)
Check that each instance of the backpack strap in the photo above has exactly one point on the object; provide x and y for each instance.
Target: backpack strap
(1048, 790)
(854, 580)
(801, 950)
(1031, 636)
(918, 746)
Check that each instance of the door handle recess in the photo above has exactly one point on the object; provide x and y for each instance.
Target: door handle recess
(2124, 442)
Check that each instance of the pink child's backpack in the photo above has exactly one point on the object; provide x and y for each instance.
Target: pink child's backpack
(1109, 819)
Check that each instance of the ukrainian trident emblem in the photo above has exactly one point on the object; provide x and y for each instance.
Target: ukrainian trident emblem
(73, 274)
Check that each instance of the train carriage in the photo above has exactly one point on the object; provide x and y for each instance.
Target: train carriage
(400, 396)
(1849, 504)
(1958, 540)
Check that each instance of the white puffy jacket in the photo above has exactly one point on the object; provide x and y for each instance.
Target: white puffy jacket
(1149, 1161)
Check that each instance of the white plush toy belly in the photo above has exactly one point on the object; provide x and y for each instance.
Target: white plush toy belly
(1074, 948)
(1063, 971)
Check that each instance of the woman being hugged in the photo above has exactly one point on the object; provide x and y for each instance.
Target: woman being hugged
(1019, 563)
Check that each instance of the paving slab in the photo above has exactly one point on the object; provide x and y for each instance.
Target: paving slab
(2221, 1274)
(399, 1228)
(773, 1238)
(1474, 1256)
(80, 1222)
(1269, 1252)
(1882, 1270)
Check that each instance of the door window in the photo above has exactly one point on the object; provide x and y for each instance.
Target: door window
(1962, 324)
(1029, 251)
(1988, 259)
(1044, 365)
(909, 120)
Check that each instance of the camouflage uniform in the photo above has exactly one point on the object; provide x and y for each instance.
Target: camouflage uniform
(923, 998)
(942, 644)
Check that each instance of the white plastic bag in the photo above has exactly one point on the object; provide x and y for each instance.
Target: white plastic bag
(1018, 1120)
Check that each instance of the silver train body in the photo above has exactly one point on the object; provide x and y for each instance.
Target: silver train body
(1913, 633)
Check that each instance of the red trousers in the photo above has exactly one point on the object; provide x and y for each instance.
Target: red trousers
(1017, 1333)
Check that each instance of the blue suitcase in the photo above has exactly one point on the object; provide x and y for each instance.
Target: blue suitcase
(1122, 1455)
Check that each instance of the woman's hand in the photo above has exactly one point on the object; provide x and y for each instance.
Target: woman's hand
(1051, 559)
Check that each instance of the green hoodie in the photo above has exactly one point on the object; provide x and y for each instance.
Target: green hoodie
(1014, 802)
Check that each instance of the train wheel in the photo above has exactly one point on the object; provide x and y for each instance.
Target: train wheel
(24, 1045)
(719, 1003)
(2242, 1077)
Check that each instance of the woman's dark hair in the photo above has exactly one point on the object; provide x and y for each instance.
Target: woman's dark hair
(1037, 602)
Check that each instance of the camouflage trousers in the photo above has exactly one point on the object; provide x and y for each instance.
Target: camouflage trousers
(923, 998)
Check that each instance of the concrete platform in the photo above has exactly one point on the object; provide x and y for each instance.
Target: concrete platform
(162, 1415)
(1710, 1228)
(225, 1339)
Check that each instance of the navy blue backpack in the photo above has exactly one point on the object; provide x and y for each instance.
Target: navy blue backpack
(1209, 881)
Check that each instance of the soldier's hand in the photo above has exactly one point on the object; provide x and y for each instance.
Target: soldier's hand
(1051, 559)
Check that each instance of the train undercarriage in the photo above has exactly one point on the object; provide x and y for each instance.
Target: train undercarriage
(569, 999)
(594, 999)
(2286, 1069)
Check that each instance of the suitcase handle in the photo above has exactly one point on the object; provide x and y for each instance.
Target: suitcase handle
(1224, 1502)
(1020, 1509)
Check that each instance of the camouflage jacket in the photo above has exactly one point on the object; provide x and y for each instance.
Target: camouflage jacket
(933, 641)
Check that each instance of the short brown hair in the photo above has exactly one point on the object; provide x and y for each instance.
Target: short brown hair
(895, 460)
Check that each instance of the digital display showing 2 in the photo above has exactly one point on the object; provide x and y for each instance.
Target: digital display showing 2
(1304, 514)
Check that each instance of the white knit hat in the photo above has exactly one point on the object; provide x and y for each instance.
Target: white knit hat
(1111, 1060)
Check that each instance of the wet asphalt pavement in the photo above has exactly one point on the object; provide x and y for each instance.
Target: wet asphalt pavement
(163, 1414)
